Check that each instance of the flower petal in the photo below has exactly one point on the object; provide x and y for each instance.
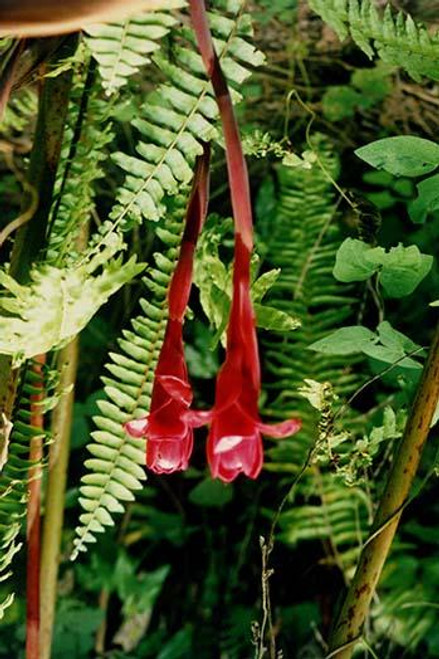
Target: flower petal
(228, 443)
(137, 427)
(283, 429)
(177, 388)
(197, 418)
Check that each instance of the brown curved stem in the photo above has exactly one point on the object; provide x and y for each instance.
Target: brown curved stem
(349, 623)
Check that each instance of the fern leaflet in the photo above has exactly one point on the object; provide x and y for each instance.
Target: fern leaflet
(176, 117)
(397, 39)
(122, 48)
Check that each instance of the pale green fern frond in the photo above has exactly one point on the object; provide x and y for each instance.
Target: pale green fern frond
(58, 302)
(303, 242)
(396, 38)
(117, 467)
(178, 116)
(122, 48)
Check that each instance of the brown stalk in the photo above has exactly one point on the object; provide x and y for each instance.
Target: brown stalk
(55, 494)
(37, 18)
(349, 623)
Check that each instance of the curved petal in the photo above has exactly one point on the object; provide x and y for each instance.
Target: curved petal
(197, 418)
(137, 427)
(176, 388)
(283, 429)
(228, 443)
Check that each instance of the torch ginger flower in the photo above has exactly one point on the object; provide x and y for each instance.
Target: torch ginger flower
(169, 425)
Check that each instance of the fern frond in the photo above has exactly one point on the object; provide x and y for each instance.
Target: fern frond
(302, 241)
(69, 297)
(74, 192)
(117, 467)
(396, 38)
(340, 517)
(122, 48)
(177, 117)
(14, 481)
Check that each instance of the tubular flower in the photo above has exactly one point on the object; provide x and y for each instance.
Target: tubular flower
(169, 425)
(234, 444)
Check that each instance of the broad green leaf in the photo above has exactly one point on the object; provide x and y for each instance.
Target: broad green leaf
(390, 355)
(427, 201)
(393, 339)
(263, 284)
(403, 269)
(269, 318)
(404, 155)
(211, 494)
(345, 341)
(356, 261)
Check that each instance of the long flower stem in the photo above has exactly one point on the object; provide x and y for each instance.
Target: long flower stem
(239, 188)
(33, 520)
(236, 165)
(347, 628)
(55, 492)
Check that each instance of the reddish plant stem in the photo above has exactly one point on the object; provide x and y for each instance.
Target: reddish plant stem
(239, 188)
(236, 165)
(181, 282)
(33, 519)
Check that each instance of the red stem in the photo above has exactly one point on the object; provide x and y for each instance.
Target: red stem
(236, 165)
(238, 334)
(33, 521)
(180, 286)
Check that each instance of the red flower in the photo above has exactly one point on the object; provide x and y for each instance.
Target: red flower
(169, 433)
(169, 425)
(234, 444)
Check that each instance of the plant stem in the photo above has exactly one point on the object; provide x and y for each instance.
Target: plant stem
(52, 112)
(33, 518)
(56, 487)
(236, 165)
(347, 628)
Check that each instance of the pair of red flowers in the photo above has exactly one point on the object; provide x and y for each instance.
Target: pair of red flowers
(234, 443)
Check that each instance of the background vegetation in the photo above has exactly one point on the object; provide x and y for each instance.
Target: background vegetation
(188, 566)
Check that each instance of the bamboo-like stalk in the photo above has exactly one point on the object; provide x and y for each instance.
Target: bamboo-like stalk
(347, 628)
(33, 520)
(55, 491)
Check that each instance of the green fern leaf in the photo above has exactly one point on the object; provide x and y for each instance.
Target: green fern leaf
(69, 297)
(397, 39)
(303, 241)
(116, 470)
(122, 48)
(74, 189)
(14, 482)
(177, 117)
